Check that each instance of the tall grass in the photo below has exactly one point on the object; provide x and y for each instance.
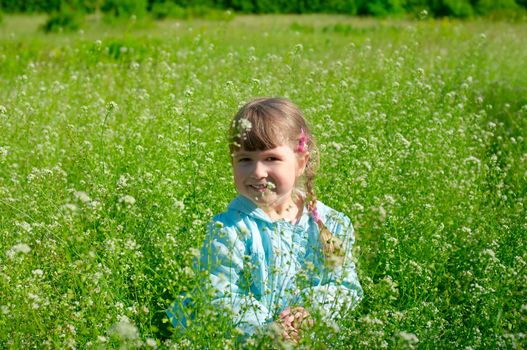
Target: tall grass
(113, 158)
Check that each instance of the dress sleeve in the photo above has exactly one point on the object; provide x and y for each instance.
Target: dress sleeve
(337, 290)
(223, 257)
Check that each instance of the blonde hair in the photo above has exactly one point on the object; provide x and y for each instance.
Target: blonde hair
(266, 123)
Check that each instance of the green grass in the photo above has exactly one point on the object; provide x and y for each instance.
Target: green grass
(422, 130)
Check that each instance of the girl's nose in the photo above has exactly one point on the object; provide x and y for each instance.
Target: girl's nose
(259, 170)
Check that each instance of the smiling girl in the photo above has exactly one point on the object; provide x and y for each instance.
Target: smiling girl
(277, 255)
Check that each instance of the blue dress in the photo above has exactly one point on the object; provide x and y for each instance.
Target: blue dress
(259, 267)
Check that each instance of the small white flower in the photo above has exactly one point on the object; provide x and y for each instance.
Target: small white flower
(4, 309)
(189, 92)
(151, 343)
(489, 252)
(125, 329)
(127, 199)
(18, 248)
(244, 126)
(37, 272)
(82, 196)
(112, 107)
(4, 151)
(102, 339)
(70, 207)
(179, 204)
(123, 181)
(195, 252)
(271, 186)
(410, 338)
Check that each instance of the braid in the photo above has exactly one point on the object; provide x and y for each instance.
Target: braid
(331, 245)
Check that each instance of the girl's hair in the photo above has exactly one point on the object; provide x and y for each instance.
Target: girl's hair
(266, 123)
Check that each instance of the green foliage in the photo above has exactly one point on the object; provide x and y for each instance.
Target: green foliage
(125, 8)
(382, 7)
(65, 20)
(487, 6)
(459, 8)
(171, 10)
(161, 10)
(30, 6)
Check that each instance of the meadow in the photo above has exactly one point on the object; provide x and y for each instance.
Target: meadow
(113, 158)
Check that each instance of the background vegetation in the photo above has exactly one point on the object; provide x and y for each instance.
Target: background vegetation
(438, 8)
(113, 158)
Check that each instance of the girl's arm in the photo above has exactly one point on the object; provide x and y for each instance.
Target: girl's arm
(338, 289)
(222, 256)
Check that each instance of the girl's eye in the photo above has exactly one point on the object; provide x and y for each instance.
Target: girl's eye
(243, 160)
(271, 159)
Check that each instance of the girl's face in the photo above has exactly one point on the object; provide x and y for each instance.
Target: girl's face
(268, 177)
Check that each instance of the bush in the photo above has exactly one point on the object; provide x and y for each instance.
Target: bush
(65, 20)
(485, 7)
(382, 7)
(167, 9)
(125, 8)
(172, 10)
(459, 8)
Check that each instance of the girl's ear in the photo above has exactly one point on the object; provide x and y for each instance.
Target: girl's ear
(303, 159)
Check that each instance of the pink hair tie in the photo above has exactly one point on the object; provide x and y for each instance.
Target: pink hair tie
(302, 142)
(316, 215)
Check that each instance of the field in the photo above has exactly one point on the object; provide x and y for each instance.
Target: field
(113, 157)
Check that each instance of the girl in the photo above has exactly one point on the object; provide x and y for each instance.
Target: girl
(277, 255)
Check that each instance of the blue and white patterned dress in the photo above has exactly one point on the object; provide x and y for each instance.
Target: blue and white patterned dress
(259, 267)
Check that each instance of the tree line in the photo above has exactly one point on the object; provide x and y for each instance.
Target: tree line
(167, 8)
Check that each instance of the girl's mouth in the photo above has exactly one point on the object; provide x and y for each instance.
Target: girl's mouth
(259, 188)
(263, 187)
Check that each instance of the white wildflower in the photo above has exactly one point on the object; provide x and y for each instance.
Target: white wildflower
(358, 207)
(189, 92)
(179, 204)
(18, 248)
(244, 126)
(298, 49)
(195, 252)
(490, 253)
(69, 207)
(112, 107)
(24, 226)
(82, 196)
(127, 199)
(4, 309)
(4, 151)
(270, 186)
(151, 343)
(403, 140)
(472, 159)
(125, 329)
(123, 181)
(409, 338)
(37, 272)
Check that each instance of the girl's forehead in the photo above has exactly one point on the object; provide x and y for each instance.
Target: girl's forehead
(277, 149)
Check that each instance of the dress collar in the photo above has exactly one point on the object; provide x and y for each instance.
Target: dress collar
(246, 206)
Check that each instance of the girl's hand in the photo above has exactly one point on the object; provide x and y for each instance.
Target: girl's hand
(293, 320)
